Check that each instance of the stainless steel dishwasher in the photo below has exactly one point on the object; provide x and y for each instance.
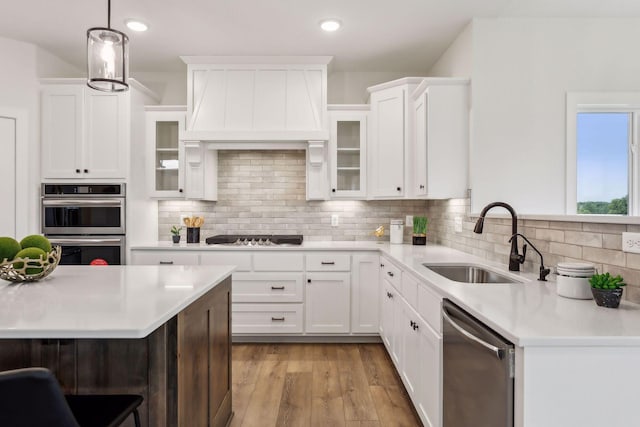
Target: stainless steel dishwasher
(478, 372)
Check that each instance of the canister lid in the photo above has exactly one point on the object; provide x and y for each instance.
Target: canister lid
(576, 269)
(396, 222)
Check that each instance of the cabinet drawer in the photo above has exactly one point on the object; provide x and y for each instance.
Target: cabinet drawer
(429, 305)
(266, 318)
(410, 289)
(267, 287)
(278, 262)
(241, 260)
(328, 261)
(165, 257)
(392, 273)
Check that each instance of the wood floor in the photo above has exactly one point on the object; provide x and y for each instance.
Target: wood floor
(319, 385)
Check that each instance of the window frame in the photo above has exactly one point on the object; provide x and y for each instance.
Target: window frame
(602, 102)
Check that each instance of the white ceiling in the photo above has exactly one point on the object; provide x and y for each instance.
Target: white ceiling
(377, 35)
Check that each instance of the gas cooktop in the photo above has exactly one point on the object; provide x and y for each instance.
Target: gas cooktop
(255, 239)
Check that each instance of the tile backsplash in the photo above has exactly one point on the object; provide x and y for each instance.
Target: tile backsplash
(599, 244)
(264, 192)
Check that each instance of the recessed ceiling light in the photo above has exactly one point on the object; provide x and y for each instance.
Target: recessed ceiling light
(136, 25)
(330, 25)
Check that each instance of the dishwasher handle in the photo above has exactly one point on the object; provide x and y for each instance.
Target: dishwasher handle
(500, 353)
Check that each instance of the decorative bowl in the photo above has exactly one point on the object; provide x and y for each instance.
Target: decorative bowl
(12, 274)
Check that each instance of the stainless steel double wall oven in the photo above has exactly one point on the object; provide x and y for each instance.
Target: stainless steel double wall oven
(87, 220)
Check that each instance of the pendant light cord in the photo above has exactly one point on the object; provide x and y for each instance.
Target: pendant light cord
(109, 14)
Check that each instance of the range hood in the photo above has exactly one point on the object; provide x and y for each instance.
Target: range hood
(256, 102)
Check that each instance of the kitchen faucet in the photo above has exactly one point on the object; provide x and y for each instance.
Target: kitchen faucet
(515, 259)
(543, 271)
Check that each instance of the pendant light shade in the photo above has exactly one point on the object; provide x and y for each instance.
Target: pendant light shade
(107, 58)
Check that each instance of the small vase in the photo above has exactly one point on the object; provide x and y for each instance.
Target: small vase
(176, 239)
(419, 239)
(193, 234)
(609, 298)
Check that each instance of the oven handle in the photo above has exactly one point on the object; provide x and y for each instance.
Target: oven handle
(82, 202)
(72, 241)
(498, 351)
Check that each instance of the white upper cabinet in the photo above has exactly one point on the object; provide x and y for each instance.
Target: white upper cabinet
(440, 139)
(256, 98)
(165, 154)
(388, 151)
(347, 150)
(84, 133)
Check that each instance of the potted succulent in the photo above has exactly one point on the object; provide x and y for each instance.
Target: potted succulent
(607, 289)
(175, 234)
(419, 230)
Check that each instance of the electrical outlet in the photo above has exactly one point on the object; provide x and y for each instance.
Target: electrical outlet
(631, 242)
(457, 224)
(409, 221)
(335, 220)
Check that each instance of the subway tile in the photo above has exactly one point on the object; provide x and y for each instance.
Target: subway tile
(605, 256)
(583, 238)
(564, 249)
(612, 241)
(604, 228)
(548, 234)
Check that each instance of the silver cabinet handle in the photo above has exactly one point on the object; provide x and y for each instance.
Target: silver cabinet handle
(277, 319)
(78, 241)
(327, 262)
(166, 262)
(498, 352)
(277, 288)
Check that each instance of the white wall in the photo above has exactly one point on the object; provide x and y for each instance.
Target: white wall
(521, 71)
(350, 87)
(171, 86)
(456, 61)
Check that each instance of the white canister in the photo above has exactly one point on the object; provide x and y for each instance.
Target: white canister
(397, 231)
(573, 280)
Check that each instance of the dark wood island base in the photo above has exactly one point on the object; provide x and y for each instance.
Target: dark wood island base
(182, 369)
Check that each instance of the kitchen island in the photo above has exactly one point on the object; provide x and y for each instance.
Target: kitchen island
(159, 331)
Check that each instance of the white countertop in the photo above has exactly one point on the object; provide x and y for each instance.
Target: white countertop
(528, 314)
(102, 302)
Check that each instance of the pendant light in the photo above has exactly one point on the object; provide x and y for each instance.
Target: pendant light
(107, 58)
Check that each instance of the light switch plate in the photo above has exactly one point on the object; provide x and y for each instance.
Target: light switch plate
(631, 242)
(457, 224)
(409, 221)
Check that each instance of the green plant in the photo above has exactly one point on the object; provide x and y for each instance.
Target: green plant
(606, 281)
(420, 225)
(176, 230)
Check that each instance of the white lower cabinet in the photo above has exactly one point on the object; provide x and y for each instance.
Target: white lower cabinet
(420, 365)
(266, 319)
(365, 294)
(327, 303)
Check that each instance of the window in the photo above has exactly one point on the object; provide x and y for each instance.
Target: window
(602, 166)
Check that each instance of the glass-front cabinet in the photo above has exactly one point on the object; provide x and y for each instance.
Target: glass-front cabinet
(347, 150)
(165, 154)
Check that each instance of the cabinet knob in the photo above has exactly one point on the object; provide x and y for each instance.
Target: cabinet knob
(180, 190)
(308, 280)
(333, 190)
(381, 265)
(86, 171)
(412, 323)
(415, 326)
(398, 188)
(390, 274)
(421, 187)
(77, 170)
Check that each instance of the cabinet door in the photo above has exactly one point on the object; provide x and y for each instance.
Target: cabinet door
(365, 293)
(420, 146)
(429, 380)
(347, 153)
(410, 354)
(387, 314)
(62, 131)
(387, 143)
(105, 146)
(165, 177)
(327, 303)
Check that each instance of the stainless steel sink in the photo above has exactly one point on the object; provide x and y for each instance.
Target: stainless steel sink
(469, 273)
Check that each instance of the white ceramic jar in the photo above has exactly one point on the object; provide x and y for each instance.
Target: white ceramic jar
(573, 279)
(397, 231)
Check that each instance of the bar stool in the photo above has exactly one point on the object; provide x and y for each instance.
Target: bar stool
(32, 397)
